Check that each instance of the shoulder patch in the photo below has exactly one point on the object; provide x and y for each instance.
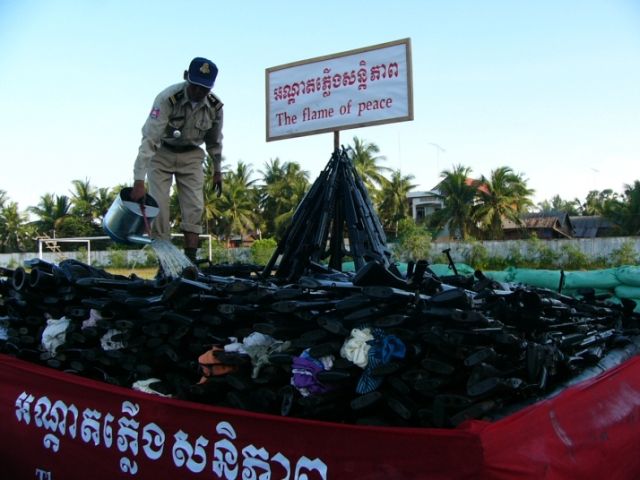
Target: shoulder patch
(215, 101)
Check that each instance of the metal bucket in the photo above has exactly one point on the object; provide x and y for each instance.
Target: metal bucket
(124, 221)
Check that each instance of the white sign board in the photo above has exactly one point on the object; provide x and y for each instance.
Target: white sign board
(358, 88)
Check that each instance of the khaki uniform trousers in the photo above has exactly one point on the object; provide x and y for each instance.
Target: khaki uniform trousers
(186, 167)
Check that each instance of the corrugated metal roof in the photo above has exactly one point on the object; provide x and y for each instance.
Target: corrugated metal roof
(590, 221)
(422, 194)
(542, 222)
(590, 226)
(588, 232)
(537, 223)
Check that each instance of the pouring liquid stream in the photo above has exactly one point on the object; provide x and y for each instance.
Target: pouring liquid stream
(172, 260)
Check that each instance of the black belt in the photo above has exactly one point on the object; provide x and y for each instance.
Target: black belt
(179, 148)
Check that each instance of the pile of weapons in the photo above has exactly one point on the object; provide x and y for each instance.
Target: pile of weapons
(458, 347)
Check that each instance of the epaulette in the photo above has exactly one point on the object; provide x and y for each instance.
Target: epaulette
(215, 101)
(176, 97)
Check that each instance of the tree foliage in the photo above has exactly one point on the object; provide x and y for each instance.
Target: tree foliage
(471, 207)
(282, 189)
(625, 212)
(239, 203)
(83, 199)
(502, 196)
(557, 204)
(599, 202)
(458, 192)
(394, 206)
(50, 212)
(413, 243)
(365, 159)
(16, 235)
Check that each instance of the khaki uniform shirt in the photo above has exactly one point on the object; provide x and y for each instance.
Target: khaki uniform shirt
(173, 111)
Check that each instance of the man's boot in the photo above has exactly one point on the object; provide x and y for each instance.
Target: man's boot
(191, 254)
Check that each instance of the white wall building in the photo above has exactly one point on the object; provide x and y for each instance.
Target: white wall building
(423, 204)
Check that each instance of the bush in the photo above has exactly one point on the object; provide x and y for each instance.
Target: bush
(81, 255)
(72, 226)
(598, 262)
(262, 250)
(118, 258)
(573, 258)
(414, 242)
(514, 258)
(540, 255)
(625, 255)
(151, 259)
(477, 256)
(440, 258)
(497, 263)
(219, 254)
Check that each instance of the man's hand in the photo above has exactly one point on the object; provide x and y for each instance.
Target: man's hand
(138, 192)
(217, 183)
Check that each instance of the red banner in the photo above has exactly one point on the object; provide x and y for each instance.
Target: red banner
(61, 426)
(590, 431)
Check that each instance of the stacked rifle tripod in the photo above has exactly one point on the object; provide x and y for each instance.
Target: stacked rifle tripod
(336, 206)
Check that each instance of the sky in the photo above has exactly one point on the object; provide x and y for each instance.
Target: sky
(550, 88)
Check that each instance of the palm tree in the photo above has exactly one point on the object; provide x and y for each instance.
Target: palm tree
(269, 198)
(15, 232)
(626, 212)
(83, 208)
(365, 159)
(273, 171)
(458, 193)
(83, 199)
(238, 204)
(243, 173)
(51, 212)
(597, 202)
(394, 205)
(292, 187)
(212, 209)
(284, 186)
(212, 202)
(103, 200)
(557, 204)
(503, 196)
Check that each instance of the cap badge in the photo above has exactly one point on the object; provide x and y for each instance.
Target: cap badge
(205, 69)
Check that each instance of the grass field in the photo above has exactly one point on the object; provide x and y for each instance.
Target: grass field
(147, 273)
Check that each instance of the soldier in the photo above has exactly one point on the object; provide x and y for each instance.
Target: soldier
(183, 117)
